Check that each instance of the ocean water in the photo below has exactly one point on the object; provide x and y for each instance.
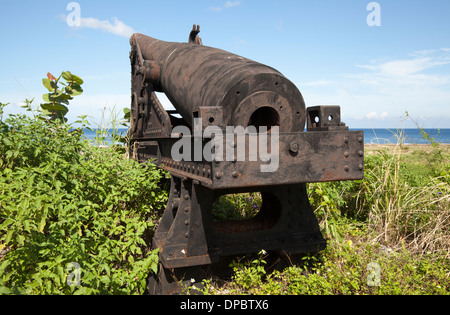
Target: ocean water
(372, 136)
(407, 136)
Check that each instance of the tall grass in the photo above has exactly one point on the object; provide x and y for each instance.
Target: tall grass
(403, 215)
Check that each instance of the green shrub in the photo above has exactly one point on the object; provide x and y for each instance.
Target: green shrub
(73, 213)
(236, 207)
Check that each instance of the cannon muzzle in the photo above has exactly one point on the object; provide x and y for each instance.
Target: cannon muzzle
(194, 76)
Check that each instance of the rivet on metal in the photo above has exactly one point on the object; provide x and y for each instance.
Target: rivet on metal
(294, 147)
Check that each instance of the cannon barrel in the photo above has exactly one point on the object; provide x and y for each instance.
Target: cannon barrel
(249, 92)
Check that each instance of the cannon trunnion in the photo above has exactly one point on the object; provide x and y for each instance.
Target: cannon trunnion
(238, 126)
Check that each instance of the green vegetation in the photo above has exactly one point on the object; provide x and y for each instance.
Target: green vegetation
(58, 99)
(387, 234)
(72, 213)
(77, 218)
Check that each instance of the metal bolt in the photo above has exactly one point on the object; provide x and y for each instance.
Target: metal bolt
(361, 167)
(218, 175)
(235, 174)
(294, 147)
(346, 154)
(346, 168)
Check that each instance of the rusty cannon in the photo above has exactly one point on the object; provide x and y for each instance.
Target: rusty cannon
(238, 127)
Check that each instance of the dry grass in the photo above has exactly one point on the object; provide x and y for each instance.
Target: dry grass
(403, 215)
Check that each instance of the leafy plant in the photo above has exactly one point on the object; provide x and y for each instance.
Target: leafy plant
(236, 207)
(65, 202)
(58, 98)
(249, 275)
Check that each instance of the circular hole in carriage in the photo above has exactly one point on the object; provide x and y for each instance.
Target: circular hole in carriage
(245, 212)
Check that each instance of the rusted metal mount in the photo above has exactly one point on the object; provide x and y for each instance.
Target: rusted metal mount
(308, 157)
(219, 89)
(187, 235)
(189, 239)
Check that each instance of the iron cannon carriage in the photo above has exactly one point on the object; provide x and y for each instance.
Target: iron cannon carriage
(238, 127)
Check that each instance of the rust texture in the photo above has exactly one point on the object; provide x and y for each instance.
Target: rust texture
(222, 89)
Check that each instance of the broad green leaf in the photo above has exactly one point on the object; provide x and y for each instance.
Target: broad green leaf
(50, 97)
(46, 97)
(55, 108)
(7, 142)
(42, 224)
(74, 90)
(9, 235)
(48, 84)
(127, 112)
(67, 76)
(77, 79)
(4, 290)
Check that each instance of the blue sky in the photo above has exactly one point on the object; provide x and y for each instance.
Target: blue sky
(325, 47)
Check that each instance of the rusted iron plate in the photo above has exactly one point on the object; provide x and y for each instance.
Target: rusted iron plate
(307, 157)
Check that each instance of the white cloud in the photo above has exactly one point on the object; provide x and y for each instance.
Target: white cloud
(227, 5)
(423, 60)
(384, 89)
(117, 27)
(374, 115)
(230, 4)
